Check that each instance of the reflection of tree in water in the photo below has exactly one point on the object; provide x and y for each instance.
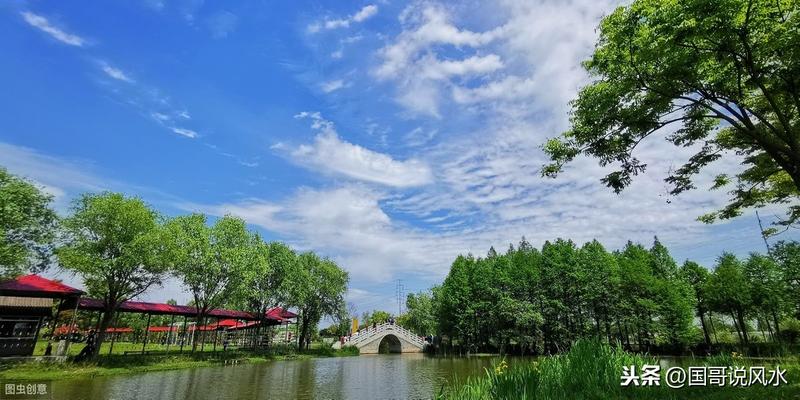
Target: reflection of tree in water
(390, 344)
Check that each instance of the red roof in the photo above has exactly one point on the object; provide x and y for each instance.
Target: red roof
(244, 325)
(280, 314)
(228, 323)
(161, 328)
(119, 330)
(36, 286)
(159, 308)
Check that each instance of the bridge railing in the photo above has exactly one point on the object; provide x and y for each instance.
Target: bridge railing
(369, 333)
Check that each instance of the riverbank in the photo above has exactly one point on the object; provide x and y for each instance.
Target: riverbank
(117, 364)
(593, 371)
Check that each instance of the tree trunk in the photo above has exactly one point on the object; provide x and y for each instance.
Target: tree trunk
(705, 329)
(713, 329)
(201, 317)
(743, 323)
(108, 315)
(777, 327)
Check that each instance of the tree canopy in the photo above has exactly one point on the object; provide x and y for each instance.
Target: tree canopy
(115, 244)
(27, 226)
(720, 77)
(212, 261)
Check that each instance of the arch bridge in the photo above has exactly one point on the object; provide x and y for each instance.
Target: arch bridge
(392, 337)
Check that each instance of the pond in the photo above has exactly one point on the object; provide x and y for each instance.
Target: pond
(398, 376)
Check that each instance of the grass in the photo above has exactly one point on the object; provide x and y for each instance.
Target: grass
(117, 363)
(592, 370)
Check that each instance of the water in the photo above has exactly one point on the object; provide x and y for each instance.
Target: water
(406, 376)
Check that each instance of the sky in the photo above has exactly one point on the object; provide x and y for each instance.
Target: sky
(389, 136)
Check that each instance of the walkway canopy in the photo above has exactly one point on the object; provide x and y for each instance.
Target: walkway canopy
(141, 307)
(280, 314)
(36, 286)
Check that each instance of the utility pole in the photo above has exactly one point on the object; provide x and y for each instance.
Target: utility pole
(400, 296)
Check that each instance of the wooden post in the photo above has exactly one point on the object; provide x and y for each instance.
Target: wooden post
(146, 333)
(185, 332)
(216, 336)
(169, 332)
(55, 320)
(72, 325)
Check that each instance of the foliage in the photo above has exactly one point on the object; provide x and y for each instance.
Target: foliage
(375, 317)
(115, 244)
(721, 77)
(317, 288)
(212, 261)
(27, 226)
(420, 316)
(531, 301)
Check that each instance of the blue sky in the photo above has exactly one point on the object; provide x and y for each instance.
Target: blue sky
(390, 135)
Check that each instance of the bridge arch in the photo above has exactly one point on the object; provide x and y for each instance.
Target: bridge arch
(390, 344)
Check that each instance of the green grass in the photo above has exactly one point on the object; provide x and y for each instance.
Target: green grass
(117, 363)
(122, 347)
(592, 370)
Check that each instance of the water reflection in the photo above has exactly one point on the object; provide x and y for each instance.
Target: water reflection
(392, 376)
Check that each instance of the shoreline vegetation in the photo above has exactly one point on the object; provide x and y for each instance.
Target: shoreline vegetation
(119, 364)
(592, 370)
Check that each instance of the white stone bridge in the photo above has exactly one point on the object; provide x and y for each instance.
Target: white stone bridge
(394, 338)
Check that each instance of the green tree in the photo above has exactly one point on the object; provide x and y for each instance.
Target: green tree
(787, 255)
(211, 261)
(767, 290)
(729, 292)
(115, 244)
(317, 290)
(723, 76)
(420, 316)
(640, 290)
(377, 317)
(27, 226)
(697, 276)
(599, 276)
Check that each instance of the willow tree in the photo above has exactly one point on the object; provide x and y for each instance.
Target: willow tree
(27, 226)
(721, 77)
(115, 244)
(211, 261)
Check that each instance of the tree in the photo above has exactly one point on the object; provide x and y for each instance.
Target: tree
(420, 316)
(787, 255)
(722, 77)
(729, 293)
(115, 244)
(767, 291)
(211, 261)
(27, 226)
(697, 276)
(318, 286)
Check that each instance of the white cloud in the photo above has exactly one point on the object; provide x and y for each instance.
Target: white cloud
(420, 74)
(59, 34)
(419, 136)
(115, 73)
(185, 132)
(333, 85)
(329, 153)
(362, 15)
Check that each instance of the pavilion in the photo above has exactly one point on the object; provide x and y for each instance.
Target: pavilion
(26, 301)
(24, 304)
